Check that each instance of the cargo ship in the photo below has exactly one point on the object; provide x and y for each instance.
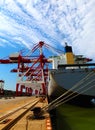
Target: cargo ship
(72, 76)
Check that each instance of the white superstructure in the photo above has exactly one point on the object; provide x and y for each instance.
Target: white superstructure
(57, 60)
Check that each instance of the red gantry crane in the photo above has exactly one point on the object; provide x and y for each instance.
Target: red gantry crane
(32, 71)
(34, 75)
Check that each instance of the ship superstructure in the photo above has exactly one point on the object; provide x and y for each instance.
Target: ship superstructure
(73, 77)
(68, 58)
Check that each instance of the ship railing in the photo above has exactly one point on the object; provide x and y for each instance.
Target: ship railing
(88, 65)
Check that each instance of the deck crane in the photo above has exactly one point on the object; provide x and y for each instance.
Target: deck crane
(32, 72)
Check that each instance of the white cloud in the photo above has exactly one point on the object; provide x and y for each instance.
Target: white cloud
(29, 21)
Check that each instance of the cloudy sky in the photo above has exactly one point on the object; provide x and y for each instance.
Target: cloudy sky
(26, 22)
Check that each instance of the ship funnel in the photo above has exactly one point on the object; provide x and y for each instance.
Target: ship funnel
(69, 54)
(68, 48)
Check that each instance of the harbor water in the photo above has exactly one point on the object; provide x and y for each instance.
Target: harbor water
(71, 117)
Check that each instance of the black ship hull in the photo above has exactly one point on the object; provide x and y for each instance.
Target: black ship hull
(77, 86)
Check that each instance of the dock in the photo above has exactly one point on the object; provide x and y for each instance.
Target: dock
(16, 114)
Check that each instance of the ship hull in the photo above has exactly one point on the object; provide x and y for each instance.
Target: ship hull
(77, 86)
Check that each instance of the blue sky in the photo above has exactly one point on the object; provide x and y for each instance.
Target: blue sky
(26, 22)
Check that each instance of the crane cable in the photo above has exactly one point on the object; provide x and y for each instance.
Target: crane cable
(75, 86)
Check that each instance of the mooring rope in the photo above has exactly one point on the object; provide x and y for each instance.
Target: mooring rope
(75, 86)
(71, 98)
(75, 92)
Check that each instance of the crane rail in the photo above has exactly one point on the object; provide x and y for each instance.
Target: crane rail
(9, 120)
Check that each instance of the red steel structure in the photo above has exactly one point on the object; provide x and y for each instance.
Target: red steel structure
(31, 71)
(34, 74)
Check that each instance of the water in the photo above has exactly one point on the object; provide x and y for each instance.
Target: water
(70, 117)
